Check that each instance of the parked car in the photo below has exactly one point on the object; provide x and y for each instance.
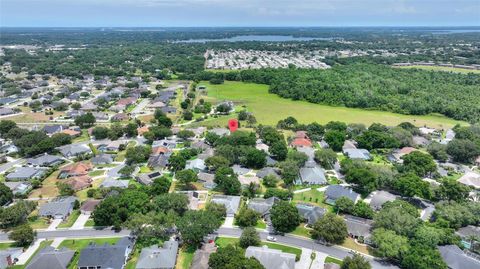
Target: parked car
(271, 239)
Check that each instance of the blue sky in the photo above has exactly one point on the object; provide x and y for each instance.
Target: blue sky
(164, 13)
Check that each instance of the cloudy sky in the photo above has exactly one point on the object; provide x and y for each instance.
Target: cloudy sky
(142, 13)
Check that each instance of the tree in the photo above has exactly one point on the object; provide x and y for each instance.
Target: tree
(218, 210)
(194, 225)
(231, 257)
(330, 228)
(463, 150)
(15, 214)
(186, 177)
(61, 139)
(247, 217)
(456, 215)
(279, 150)
(289, 172)
(438, 151)
(100, 132)
(160, 185)
(389, 244)
(422, 257)
(185, 134)
(65, 189)
(254, 158)
(177, 162)
(162, 119)
(279, 193)
(336, 125)
(215, 162)
(371, 139)
(411, 185)
(422, 164)
(326, 158)
(249, 237)
(177, 202)
(363, 210)
(211, 138)
(451, 189)
(284, 216)
(85, 120)
(270, 181)
(335, 139)
(187, 115)
(365, 178)
(6, 126)
(130, 129)
(355, 262)
(242, 115)
(227, 181)
(127, 170)
(398, 216)
(344, 204)
(315, 131)
(138, 154)
(23, 235)
(6, 195)
(405, 137)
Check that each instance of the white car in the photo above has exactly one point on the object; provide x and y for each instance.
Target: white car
(271, 238)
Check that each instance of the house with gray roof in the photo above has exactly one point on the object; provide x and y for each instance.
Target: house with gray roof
(220, 131)
(115, 183)
(202, 255)
(159, 161)
(106, 256)
(158, 258)
(53, 129)
(359, 227)
(360, 154)
(207, 180)
(311, 174)
(74, 150)
(230, 202)
(167, 143)
(196, 165)
(267, 171)
(102, 159)
(466, 233)
(58, 208)
(262, 206)
(147, 179)
(51, 258)
(455, 258)
(6, 111)
(333, 192)
(237, 169)
(310, 213)
(26, 173)
(271, 258)
(45, 160)
(19, 187)
(378, 198)
(9, 256)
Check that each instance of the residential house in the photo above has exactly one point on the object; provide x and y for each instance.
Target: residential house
(271, 258)
(106, 256)
(114, 183)
(237, 169)
(323, 144)
(349, 144)
(455, 258)
(396, 155)
(467, 233)
(6, 111)
(333, 192)
(420, 141)
(310, 213)
(262, 206)
(261, 146)
(45, 160)
(9, 256)
(51, 258)
(120, 117)
(471, 179)
(102, 159)
(202, 255)
(309, 151)
(58, 208)
(26, 174)
(101, 116)
(271, 161)
(195, 198)
(196, 165)
(112, 146)
(209, 152)
(245, 180)
(156, 104)
(75, 169)
(88, 206)
(167, 143)
(267, 171)
(311, 174)
(359, 228)
(201, 145)
(74, 150)
(147, 179)
(72, 133)
(158, 258)
(378, 198)
(220, 131)
(168, 110)
(360, 154)
(89, 107)
(159, 161)
(19, 187)
(207, 180)
(54, 129)
(231, 203)
(78, 183)
(299, 142)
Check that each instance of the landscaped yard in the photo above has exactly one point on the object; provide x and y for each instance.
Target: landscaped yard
(301, 231)
(256, 98)
(261, 224)
(145, 169)
(90, 223)
(185, 257)
(225, 241)
(37, 222)
(70, 220)
(330, 259)
(96, 173)
(312, 197)
(351, 244)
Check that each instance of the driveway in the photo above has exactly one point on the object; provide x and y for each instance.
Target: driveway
(80, 222)
(54, 224)
(228, 222)
(305, 259)
(25, 256)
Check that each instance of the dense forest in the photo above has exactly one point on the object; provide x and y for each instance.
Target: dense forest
(370, 86)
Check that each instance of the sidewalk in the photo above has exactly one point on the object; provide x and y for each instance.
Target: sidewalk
(54, 224)
(56, 243)
(25, 256)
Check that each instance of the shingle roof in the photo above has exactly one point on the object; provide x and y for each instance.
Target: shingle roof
(455, 258)
(49, 258)
(110, 183)
(362, 154)
(25, 173)
(106, 256)
(261, 205)
(271, 258)
(154, 257)
(358, 226)
(60, 206)
(44, 160)
(310, 213)
(231, 203)
(471, 179)
(312, 175)
(267, 171)
(379, 198)
(333, 192)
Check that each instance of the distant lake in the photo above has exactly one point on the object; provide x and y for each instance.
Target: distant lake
(263, 38)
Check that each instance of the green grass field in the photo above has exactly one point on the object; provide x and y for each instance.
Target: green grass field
(270, 108)
(70, 220)
(442, 68)
(225, 241)
(79, 244)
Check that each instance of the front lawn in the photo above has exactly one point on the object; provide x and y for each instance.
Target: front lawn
(313, 197)
(225, 241)
(301, 231)
(185, 257)
(79, 244)
(261, 224)
(70, 220)
(331, 259)
(96, 173)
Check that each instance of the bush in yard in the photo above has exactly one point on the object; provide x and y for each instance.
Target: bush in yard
(249, 237)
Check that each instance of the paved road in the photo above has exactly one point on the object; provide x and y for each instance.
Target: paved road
(85, 233)
(334, 251)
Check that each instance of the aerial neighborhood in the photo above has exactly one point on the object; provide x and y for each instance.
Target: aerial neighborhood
(170, 169)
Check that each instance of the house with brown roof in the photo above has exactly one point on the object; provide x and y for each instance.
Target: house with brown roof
(72, 133)
(88, 206)
(75, 169)
(142, 130)
(78, 183)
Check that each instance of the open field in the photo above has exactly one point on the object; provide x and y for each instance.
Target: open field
(270, 108)
(442, 68)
